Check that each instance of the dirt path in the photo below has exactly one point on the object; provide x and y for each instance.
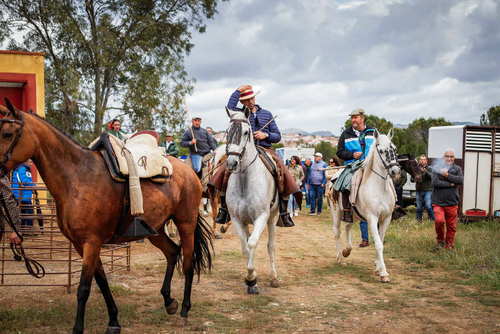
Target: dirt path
(316, 294)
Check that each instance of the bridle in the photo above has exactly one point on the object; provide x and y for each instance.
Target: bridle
(242, 153)
(391, 156)
(8, 154)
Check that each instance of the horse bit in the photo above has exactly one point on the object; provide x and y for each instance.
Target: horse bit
(242, 153)
(390, 155)
(8, 154)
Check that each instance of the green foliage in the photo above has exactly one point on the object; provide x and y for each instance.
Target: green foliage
(277, 145)
(492, 117)
(326, 149)
(417, 135)
(128, 53)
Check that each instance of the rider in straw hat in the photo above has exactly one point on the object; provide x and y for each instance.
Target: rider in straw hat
(264, 138)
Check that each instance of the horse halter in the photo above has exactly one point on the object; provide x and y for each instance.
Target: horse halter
(242, 153)
(8, 154)
(391, 156)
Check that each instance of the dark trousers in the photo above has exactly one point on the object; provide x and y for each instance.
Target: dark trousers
(26, 208)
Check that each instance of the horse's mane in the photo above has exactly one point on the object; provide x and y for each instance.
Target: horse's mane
(234, 134)
(57, 130)
(369, 159)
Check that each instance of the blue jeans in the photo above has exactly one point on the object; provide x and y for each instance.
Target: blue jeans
(291, 204)
(316, 194)
(363, 225)
(196, 160)
(424, 197)
(308, 196)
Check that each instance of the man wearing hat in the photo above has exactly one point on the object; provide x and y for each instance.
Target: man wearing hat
(264, 138)
(354, 145)
(200, 145)
(171, 147)
(316, 181)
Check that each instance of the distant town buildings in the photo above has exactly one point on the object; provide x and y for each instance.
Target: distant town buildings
(293, 140)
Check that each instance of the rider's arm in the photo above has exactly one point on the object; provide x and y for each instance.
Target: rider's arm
(341, 152)
(439, 181)
(274, 132)
(233, 101)
(186, 138)
(324, 174)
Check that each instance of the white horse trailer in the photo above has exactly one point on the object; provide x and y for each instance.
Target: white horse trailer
(477, 151)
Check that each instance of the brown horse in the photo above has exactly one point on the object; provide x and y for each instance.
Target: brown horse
(89, 203)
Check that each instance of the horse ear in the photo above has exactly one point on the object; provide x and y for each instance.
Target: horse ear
(15, 112)
(390, 134)
(376, 134)
(228, 112)
(247, 112)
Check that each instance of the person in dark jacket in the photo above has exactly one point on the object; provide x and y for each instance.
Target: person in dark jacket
(307, 165)
(398, 185)
(424, 190)
(264, 137)
(171, 147)
(200, 145)
(446, 178)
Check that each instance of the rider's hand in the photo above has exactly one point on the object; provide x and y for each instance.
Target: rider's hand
(215, 152)
(243, 88)
(307, 186)
(357, 155)
(193, 141)
(15, 239)
(259, 135)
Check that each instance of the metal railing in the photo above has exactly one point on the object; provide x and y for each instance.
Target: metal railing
(43, 242)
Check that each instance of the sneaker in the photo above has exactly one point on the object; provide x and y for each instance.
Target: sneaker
(296, 213)
(319, 213)
(439, 245)
(365, 243)
(311, 213)
(308, 206)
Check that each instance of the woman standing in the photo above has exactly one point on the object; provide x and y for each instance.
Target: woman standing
(295, 169)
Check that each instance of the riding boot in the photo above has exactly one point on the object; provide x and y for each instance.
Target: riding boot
(285, 220)
(347, 214)
(222, 216)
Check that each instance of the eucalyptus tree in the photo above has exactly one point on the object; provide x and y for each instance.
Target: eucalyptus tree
(106, 54)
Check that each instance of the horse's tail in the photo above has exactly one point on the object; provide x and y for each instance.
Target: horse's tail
(203, 247)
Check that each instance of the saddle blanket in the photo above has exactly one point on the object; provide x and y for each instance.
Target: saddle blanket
(150, 159)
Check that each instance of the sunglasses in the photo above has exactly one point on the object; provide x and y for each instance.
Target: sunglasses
(449, 156)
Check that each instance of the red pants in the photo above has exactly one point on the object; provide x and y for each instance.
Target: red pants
(448, 215)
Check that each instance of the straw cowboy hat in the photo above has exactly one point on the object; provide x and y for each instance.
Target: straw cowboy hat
(248, 94)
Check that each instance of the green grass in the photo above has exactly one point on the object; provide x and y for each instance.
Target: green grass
(476, 258)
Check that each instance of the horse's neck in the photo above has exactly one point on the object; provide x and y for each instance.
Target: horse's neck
(59, 160)
(374, 168)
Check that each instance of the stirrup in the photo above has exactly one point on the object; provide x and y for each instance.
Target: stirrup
(222, 216)
(285, 220)
(347, 216)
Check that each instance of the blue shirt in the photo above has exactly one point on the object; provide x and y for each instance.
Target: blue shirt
(258, 119)
(316, 177)
(22, 175)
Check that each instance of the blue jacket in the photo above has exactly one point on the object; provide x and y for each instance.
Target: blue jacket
(316, 177)
(349, 143)
(258, 120)
(22, 175)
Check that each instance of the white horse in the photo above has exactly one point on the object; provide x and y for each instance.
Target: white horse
(375, 200)
(250, 192)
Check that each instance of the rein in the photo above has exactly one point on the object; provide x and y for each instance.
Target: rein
(8, 154)
(242, 153)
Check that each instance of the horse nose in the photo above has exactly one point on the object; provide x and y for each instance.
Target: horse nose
(394, 171)
(232, 163)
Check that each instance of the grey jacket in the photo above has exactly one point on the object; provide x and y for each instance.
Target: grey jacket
(444, 194)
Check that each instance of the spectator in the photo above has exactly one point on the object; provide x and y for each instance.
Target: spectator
(171, 147)
(445, 199)
(424, 190)
(316, 181)
(21, 177)
(334, 162)
(199, 146)
(115, 128)
(399, 184)
(307, 165)
(297, 173)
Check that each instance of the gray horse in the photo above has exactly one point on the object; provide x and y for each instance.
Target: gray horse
(250, 191)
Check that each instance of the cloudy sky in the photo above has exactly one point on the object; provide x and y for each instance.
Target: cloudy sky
(316, 60)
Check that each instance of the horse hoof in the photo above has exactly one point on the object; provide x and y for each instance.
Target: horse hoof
(181, 321)
(377, 272)
(113, 330)
(218, 236)
(253, 290)
(223, 229)
(275, 283)
(384, 279)
(172, 308)
(346, 252)
(343, 263)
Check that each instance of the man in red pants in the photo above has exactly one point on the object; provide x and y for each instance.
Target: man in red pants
(445, 180)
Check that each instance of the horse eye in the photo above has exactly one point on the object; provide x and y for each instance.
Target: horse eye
(7, 135)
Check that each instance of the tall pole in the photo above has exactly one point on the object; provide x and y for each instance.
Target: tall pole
(190, 124)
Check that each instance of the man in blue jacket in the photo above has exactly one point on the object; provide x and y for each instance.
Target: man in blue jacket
(21, 177)
(316, 181)
(264, 138)
(354, 144)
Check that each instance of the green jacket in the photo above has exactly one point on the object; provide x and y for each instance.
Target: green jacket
(402, 179)
(118, 134)
(426, 184)
(172, 149)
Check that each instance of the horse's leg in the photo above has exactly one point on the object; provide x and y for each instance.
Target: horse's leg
(380, 268)
(171, 251)
(347, 251)
(379, 247)
(90, 254)
(100, 277)
(337, 231)
(259, 225)
(214, 203)
(271, 247)
(225, 227)
(251, 277)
